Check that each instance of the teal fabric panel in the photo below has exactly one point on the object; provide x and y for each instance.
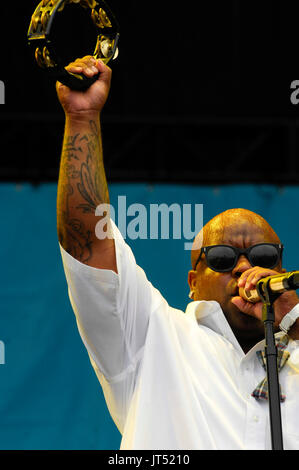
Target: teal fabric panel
(49, 395)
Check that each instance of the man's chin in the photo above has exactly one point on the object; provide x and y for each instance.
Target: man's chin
(240, 319)
(247, 329)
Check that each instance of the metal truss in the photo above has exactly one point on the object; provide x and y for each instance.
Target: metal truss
(179, 149)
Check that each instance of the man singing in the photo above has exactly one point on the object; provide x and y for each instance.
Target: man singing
(171, 379)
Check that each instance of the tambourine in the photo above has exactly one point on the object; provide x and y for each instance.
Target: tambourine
(41, 38)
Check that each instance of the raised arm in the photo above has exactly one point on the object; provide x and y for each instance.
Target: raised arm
(82, 184)
(112, 310)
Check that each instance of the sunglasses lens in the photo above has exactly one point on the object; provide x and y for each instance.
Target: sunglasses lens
(221, 258)
(266, 256)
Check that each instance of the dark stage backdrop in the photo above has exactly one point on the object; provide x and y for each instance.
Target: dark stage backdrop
(201, 93)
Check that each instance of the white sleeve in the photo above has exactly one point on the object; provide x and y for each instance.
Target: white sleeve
(112, 310)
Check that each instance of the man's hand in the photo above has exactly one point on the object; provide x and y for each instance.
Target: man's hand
(248, 280)
(91, 101)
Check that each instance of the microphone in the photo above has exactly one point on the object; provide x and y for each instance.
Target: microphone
(277, 284)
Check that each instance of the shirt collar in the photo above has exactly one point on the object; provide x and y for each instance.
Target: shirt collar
(209, 314)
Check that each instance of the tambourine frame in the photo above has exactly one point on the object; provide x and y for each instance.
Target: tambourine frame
(41, 38)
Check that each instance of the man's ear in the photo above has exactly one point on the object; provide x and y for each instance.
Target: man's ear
(192, 275)
(192, 283)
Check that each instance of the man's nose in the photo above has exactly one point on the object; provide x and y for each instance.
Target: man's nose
(241, 266)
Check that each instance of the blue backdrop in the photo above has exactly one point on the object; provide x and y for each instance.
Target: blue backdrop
(49, 395)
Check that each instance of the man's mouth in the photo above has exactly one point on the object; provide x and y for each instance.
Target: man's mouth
(235, 291)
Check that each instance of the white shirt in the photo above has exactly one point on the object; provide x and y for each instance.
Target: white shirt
(173, 380)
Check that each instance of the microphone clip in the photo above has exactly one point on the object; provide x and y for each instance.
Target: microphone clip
(268, 298)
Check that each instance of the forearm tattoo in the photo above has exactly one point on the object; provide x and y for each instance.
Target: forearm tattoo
(82, 187)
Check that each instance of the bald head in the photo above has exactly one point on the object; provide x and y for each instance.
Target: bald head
(230, 227)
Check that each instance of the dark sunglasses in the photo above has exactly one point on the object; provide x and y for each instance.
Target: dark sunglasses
(223, 258)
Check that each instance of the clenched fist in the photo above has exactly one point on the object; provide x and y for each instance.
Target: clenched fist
(91, 101)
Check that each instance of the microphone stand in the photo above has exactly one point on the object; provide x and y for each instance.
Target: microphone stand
(268, 298)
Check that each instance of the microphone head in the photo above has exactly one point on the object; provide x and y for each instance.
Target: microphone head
(249, 295)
